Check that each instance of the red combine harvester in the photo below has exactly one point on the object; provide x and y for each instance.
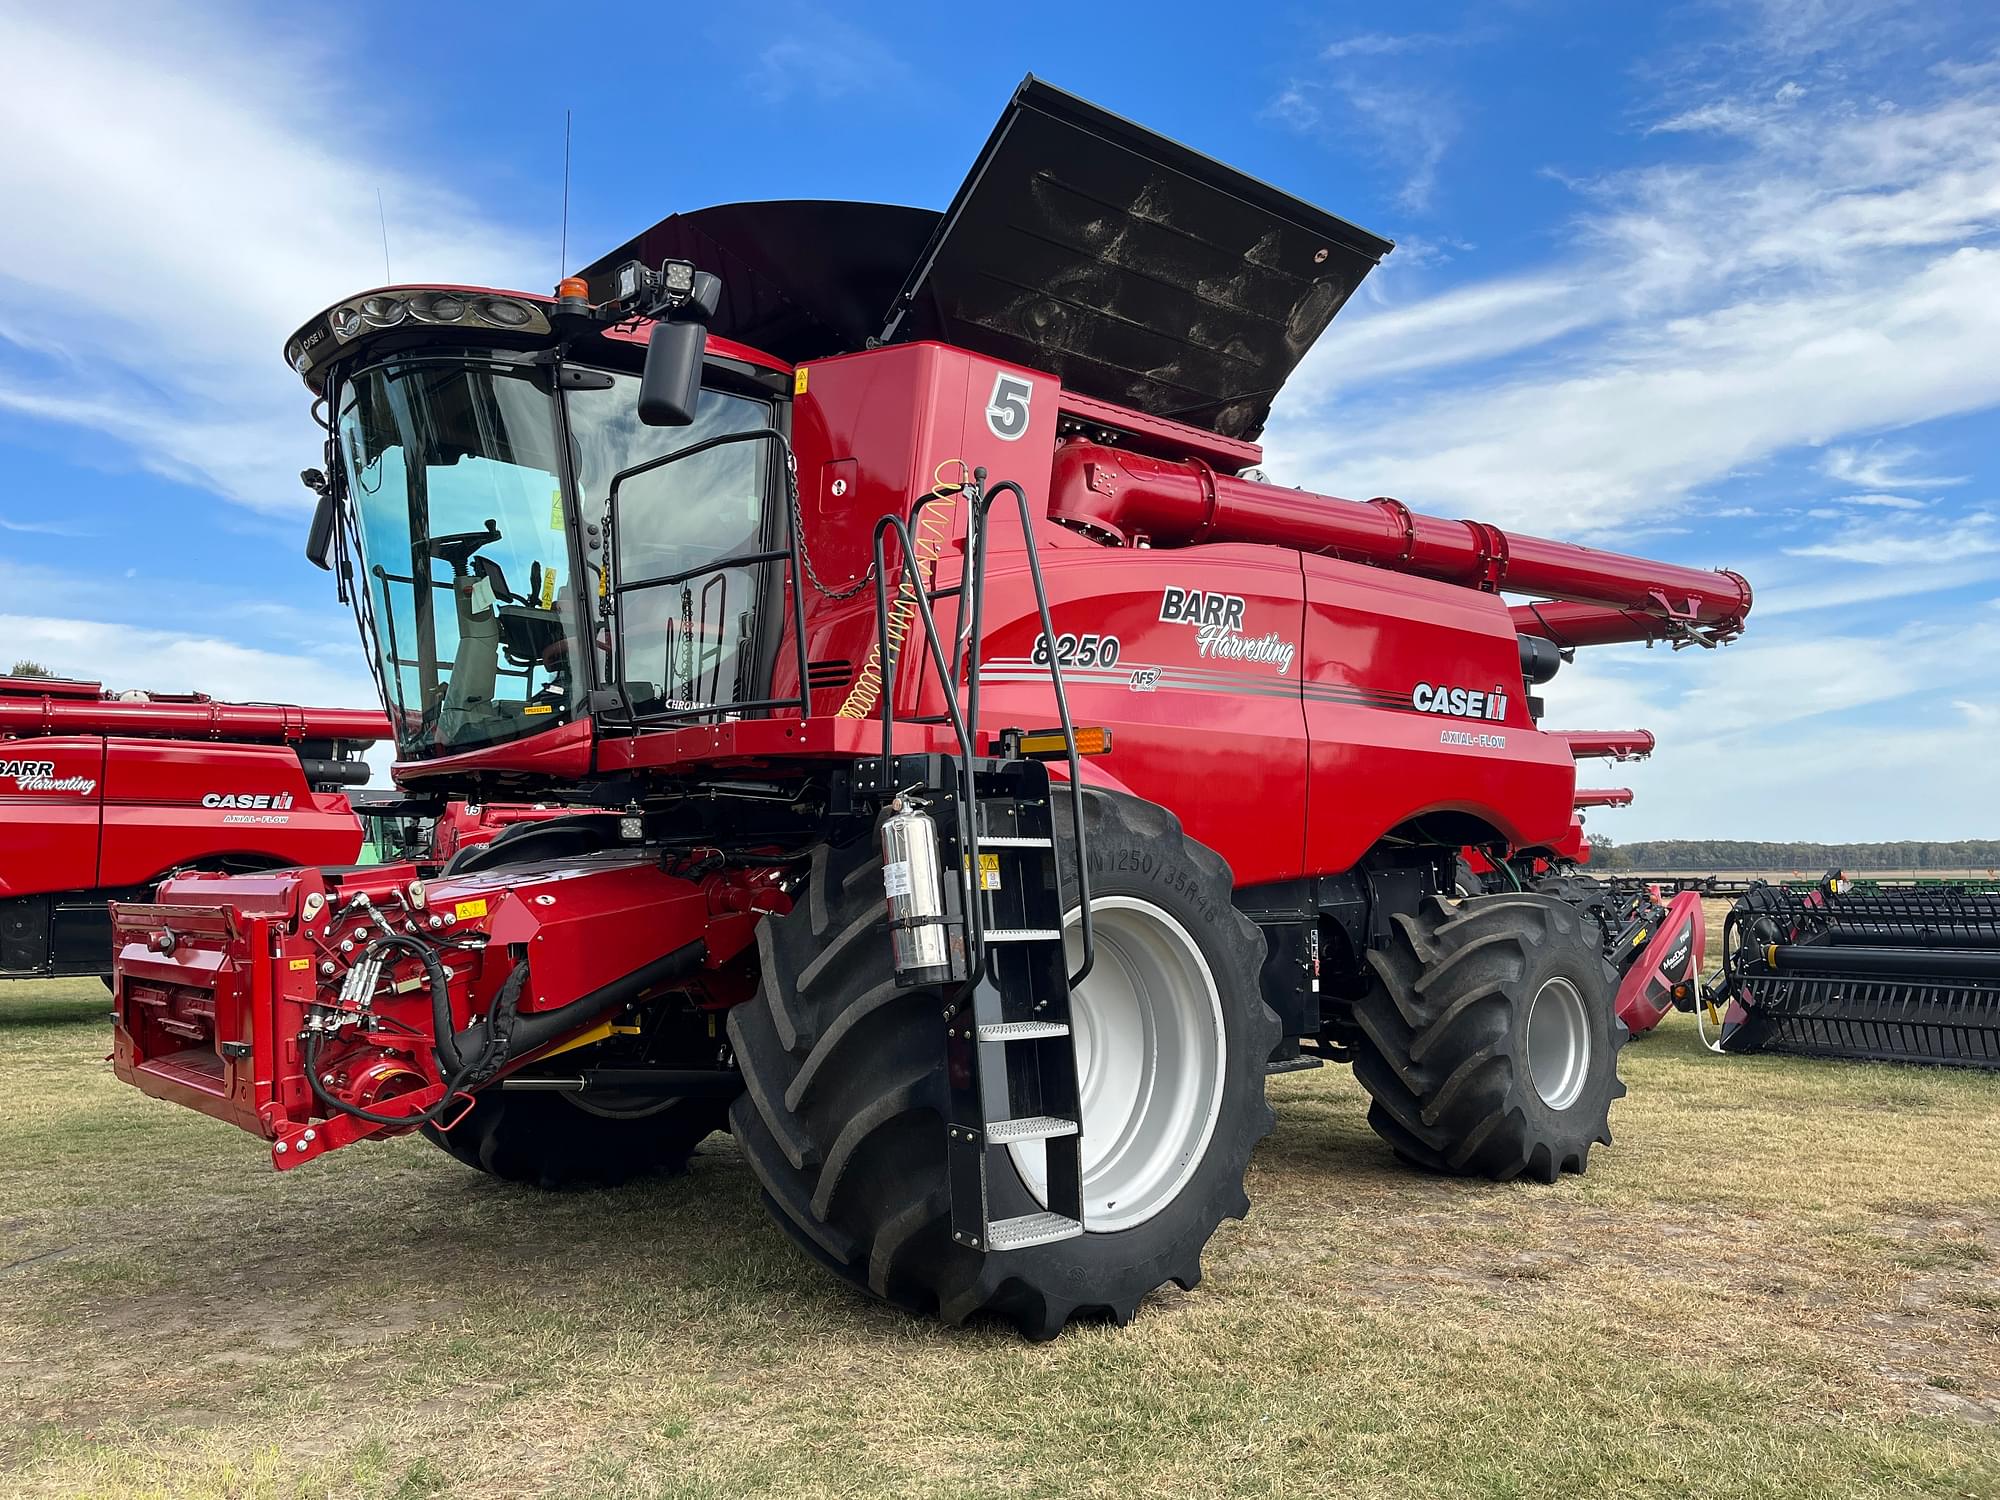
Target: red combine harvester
(102, 794)
(1000, 785)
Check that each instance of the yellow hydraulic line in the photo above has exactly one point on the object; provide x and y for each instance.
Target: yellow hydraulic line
(933, 531)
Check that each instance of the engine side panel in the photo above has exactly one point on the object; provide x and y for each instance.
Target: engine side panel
(1401, 681)
(1191, 658)
(51, 795)
(169, 804)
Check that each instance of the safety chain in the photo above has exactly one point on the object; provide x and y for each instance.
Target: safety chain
(799, 534)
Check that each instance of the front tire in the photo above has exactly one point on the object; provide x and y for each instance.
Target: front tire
(1489, 1042)
(845, 1106)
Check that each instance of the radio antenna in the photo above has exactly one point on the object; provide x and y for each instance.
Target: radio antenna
(383, 214)
(562, 269)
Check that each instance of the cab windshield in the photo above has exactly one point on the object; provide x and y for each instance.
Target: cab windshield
(454, 484)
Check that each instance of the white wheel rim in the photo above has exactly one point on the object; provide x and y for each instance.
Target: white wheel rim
(1558, 1043)
(1150, 1059)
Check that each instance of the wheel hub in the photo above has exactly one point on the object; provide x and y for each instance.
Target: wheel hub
(1150, 1056)
(1558, 1043)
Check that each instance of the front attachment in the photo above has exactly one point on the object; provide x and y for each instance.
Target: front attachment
(1881, 975)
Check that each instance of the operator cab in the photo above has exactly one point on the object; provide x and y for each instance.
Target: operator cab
(473, 441)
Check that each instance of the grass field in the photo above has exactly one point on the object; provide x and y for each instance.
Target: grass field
(1781, 1282)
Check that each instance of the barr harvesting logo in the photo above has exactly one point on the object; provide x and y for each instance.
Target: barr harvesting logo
(40, 776)
(1218, 626)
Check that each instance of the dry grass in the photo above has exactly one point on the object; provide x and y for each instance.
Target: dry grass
(1784, 1281)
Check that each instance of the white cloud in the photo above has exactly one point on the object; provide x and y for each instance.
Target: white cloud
(1715, 315)
(1406, 122)
(164, 661)
(1877, 467)
(1786, 735)
(805, 49)
(182, 197)
(1883, 502)
(43, 528)
(1908, 542)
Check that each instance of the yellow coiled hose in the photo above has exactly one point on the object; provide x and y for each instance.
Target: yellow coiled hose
(933, 531)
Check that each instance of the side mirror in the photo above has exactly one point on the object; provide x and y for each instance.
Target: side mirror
(319, 537)
(670, 385)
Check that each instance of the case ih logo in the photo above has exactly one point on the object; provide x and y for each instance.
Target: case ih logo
(1218, 625)
(1459, 702)
(273, 801)
(40, 776)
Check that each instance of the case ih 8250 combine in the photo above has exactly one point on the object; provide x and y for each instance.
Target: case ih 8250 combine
(810, 539)
(101, 794)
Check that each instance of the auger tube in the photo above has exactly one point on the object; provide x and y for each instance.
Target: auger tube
(1607, 744)
(1129, 496)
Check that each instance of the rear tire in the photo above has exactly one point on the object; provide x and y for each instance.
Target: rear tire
(1489, 1043)
(845, 1105)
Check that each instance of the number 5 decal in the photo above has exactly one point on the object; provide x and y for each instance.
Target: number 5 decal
(1007, 407)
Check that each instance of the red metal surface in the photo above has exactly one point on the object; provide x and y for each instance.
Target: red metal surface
(1671, 962)
(1300, 679)
(1176, 504)
(1602, 796)
(116, 812)
(1606, 744)
(34, 706)
(216, 975)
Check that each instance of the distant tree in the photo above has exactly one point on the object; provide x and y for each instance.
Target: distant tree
(1607, 855)
(1804, 858)
(25, 668)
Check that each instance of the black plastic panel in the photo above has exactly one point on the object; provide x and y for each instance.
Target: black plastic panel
(1135, 269)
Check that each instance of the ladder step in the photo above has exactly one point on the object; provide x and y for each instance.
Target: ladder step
(1023, 935)
(1029, 1128)
(1021, 1031)
(1013, 841)
(1030, 1229)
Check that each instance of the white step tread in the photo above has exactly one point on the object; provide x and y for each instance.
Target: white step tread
(1014, 841)
(1021, 1031)
(1030, 1229)
(1029, 1128)
(1022, 935)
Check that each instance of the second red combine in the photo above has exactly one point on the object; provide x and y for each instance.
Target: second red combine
(983, 784)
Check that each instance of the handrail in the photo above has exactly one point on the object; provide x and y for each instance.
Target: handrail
(985, 503)
(973, 580)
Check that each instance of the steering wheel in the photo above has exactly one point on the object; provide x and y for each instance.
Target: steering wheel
(457, 547)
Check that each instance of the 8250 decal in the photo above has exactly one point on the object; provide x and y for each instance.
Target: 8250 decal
(1079, 650)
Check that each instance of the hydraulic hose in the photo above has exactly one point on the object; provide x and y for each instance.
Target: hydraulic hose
(504, 1035)
(933, 523)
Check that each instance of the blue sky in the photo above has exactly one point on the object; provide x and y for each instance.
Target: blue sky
(1715, 282)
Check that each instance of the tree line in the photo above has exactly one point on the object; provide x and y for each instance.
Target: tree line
(1756, 854)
